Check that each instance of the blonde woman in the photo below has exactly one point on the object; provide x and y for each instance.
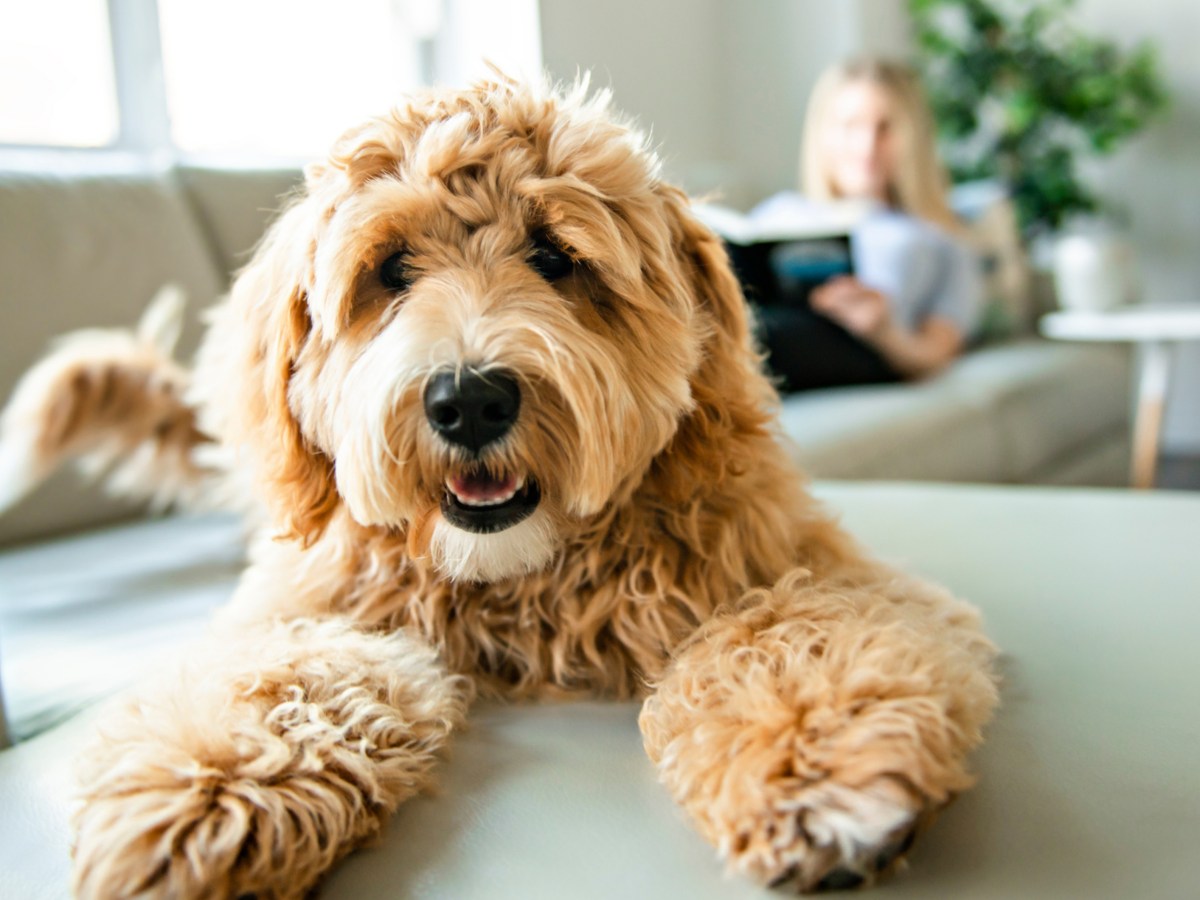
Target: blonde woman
(916, 293)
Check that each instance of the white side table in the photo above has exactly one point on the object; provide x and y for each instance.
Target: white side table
(1158, 329)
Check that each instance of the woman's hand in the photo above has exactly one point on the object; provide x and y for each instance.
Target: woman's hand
(867, 314)
(861, 310)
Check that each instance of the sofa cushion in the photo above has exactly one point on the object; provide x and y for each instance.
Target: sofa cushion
(1049, 399)
(234, 206)
(917, 432)
(1106, 460)
(1004, 413)
(1087, 774)
(86, 251)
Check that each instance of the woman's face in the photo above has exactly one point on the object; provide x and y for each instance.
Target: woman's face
(860, 143)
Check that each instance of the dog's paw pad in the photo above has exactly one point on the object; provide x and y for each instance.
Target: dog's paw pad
(847, 875)
(847, 838)
(843, 878)
(895, 851)
(840, 880)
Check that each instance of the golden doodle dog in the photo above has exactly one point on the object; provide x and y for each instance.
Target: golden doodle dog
(496, 393)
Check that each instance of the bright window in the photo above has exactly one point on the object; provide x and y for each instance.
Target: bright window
(56, 73)
(283, 76)
(239, 78)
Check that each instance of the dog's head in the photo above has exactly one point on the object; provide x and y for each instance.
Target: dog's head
(479, 326)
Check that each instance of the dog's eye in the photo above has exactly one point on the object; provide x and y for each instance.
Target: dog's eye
(395, 272)
(549, 260)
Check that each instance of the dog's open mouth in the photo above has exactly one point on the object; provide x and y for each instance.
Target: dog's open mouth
(479, 501)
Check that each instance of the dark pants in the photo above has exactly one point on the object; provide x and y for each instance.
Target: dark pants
(805, 350)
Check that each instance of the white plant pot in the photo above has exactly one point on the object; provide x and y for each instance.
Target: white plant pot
(1093, 271)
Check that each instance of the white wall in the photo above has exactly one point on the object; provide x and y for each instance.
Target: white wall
(1157, 179)
(884, 27)
(663, 62)
(723, 83)
(774, 50)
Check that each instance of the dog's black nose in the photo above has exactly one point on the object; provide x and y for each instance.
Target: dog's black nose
(472, 409)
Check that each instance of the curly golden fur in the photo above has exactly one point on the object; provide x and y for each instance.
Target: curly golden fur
(808, 706)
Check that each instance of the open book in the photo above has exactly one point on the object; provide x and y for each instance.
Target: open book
(785, 247)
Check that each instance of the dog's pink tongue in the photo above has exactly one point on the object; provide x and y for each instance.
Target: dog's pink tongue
(481, 486)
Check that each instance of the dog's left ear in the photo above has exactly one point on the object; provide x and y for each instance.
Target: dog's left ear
(733, 398)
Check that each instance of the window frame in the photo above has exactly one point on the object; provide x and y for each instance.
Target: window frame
(143, 120)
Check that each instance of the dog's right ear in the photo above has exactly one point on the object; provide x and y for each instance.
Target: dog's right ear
(733, 398)
(731, 353)
(264, 327)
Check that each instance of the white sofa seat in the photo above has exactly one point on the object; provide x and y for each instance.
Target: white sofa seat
(1088, 779)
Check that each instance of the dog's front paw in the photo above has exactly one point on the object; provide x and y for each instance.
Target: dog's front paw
(260, 764)
(188, 836)
(235, 814)
(827, 836)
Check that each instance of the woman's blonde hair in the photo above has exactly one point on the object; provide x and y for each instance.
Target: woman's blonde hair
(919, 186)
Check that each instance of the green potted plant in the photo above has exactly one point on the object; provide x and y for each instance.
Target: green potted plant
(1020, 93)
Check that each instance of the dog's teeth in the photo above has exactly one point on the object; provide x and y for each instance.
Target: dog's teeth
(493, 501)
(518, 484)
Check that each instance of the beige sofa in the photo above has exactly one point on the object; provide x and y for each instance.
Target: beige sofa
(90, 250)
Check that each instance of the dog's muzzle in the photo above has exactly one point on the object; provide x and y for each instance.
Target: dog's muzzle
(473, 409)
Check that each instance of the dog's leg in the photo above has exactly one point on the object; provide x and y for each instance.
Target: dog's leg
(263, 762)
(812, 728)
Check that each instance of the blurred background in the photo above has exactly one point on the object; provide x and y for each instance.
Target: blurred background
(90, 85)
